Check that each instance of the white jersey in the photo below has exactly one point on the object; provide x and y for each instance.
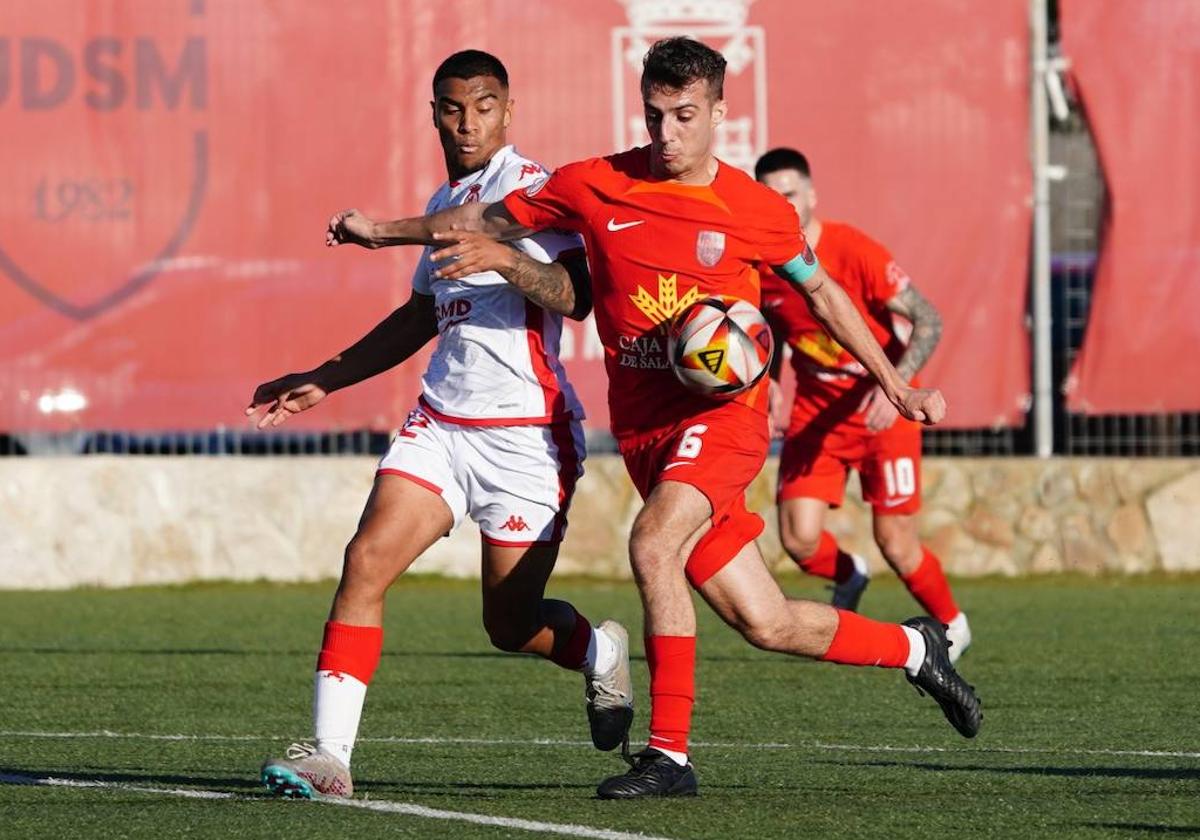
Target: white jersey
(496, 360)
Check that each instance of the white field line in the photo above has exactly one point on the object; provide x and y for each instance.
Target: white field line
(379, 805)
(819, 746)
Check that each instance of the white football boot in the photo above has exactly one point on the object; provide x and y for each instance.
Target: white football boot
(307, 773)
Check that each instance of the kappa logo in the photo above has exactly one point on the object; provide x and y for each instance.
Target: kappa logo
(335, 675)
(514, 523)
(668, 303)
(140, 86)
(529, 169)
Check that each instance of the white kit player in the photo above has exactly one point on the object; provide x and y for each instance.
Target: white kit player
(496, 436)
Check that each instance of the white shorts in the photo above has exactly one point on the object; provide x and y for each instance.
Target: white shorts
(516, 482)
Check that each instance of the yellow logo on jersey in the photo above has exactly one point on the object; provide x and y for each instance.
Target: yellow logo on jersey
(668, 304)
(820, 347)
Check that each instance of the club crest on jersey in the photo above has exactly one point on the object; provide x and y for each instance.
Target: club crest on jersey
(710, 247)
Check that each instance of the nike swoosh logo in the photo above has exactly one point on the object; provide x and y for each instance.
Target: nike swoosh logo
(677, 464)
(895, 502)
(614, 227)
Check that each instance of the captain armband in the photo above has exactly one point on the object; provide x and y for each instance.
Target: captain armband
(799, 268)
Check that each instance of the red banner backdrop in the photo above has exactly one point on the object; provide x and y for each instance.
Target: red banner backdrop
(1137, 66)
(168, 166)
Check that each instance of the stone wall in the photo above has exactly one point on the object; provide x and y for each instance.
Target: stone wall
(106, 521)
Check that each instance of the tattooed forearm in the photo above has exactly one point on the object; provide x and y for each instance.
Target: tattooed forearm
(927, 330)
(546, 284)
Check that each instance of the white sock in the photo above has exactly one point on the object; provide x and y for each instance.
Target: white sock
(678, 757)
(601, 653)
(916, 650)
(860, 566)
(337, 707)
(958, 622)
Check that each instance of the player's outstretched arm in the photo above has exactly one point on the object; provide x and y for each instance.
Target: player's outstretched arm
(563, 286)
(491, 220)
(393, 340)
(833, 308)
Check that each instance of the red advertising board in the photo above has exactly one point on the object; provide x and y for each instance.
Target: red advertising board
(168, 167)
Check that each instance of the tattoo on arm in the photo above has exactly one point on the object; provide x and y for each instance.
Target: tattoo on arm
(549, 285)
(927, 329)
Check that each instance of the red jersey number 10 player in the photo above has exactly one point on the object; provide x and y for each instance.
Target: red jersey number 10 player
(840, 419)
(665, 225)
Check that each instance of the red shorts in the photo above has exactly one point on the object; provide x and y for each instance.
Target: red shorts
(719, 452)
(815, 463)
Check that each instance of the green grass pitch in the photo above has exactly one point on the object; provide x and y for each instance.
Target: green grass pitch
(1091, 693)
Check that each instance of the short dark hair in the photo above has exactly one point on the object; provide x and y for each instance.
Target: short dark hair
(779, 159)
(471, 63)
(674, 63)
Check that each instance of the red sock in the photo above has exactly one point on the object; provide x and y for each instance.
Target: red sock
(351, 650)
(828, 561)
(672, 661)
(862, 641)
(928, 585)
(572, 654)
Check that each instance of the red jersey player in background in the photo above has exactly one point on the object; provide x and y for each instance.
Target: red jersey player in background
(841, 420)
(664, 225)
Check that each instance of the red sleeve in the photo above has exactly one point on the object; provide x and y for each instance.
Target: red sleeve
(556, 201)
(780, 237)
(883, 279)
(774, 300)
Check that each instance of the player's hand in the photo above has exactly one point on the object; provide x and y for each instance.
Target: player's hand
(926, 405)
(775, 409)
(283, 397)
(468, 253)
(350, 226)
(880, 414)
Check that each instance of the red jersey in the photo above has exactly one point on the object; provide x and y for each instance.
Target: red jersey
(830, 384)
(655, 247)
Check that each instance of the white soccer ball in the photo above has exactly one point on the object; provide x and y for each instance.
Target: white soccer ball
(720, 346)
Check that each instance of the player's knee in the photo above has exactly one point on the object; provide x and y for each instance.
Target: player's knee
(765, 632)
(650, 552)
(798, 543)
(365, 567)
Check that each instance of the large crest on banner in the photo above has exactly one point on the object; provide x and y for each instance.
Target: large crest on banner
(106, 149)
(722, 25)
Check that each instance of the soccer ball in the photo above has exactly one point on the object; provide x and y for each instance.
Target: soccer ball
(720, 346)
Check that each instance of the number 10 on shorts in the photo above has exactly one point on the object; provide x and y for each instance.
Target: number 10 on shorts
(900, 477)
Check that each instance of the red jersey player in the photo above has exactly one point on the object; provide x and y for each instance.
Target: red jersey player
(841, 420)
(664, 225)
